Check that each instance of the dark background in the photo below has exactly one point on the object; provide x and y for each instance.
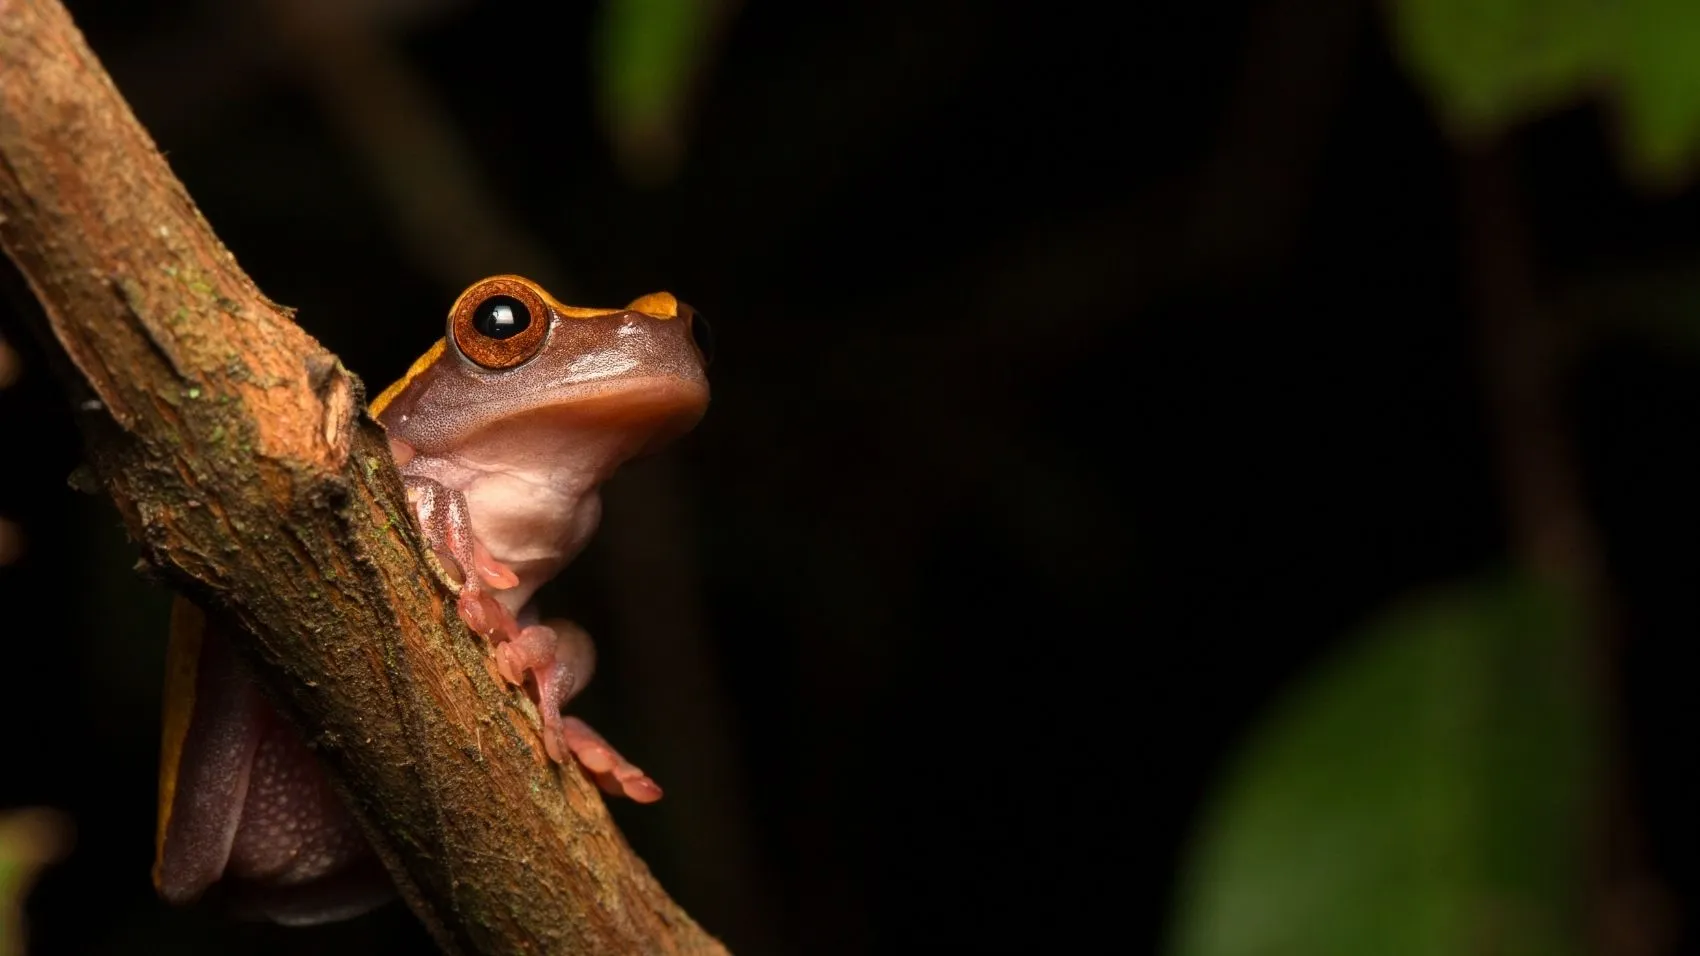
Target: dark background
(1080, 384)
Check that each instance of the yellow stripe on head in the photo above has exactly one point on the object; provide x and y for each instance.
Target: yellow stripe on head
(424, 362)
(659, 304)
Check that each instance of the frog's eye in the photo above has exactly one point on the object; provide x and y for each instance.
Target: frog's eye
(501, 317)
(701, 334)
(499, 323)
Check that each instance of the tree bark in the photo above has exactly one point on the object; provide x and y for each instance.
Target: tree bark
(242, 461)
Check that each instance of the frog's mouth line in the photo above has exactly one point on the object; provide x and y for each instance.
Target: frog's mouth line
(653, 411)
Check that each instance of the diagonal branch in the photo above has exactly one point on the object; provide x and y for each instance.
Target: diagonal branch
(240, 458)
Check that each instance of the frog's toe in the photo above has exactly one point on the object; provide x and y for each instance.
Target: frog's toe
(615, 774)
(493, 573)
(531, 652)
(485, 615)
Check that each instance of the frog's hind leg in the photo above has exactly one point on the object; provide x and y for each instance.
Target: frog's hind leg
(243, 801)
(213, 720)
(559, 658)
(298, 857)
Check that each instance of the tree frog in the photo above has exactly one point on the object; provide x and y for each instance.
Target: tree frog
(503, 431)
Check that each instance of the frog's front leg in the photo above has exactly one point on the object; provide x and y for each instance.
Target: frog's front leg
(559, 658)
(447, 523)
(556, 655)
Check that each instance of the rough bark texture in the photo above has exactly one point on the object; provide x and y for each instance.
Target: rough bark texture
(240, 456)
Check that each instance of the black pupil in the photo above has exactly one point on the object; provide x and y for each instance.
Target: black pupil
(703, 336)
(501, 317)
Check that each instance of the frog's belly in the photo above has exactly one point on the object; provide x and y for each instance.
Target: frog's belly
(532, 526)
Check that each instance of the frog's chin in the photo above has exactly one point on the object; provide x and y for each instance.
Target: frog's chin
(652, 411)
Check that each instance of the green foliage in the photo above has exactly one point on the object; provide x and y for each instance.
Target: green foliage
(648, 53)
(1422, 795)
(30, 838)
(1492, 63)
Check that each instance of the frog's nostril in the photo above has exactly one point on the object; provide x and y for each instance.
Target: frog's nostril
(702, 335)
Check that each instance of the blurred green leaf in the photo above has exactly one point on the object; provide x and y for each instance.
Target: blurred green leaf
(1422, 795)
(1491, 63)
(1653, 304)
(30, 838)
(648, 54)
